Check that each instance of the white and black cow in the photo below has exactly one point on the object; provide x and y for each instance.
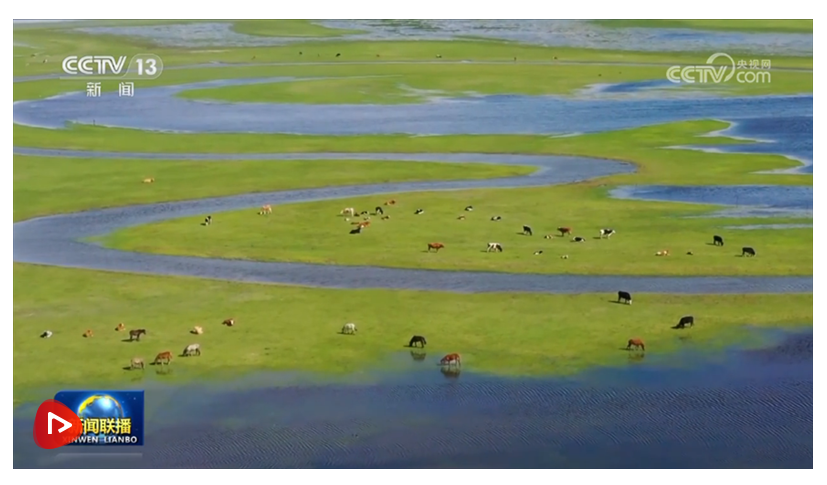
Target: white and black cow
(493, 246)
(624, 296)
(607, 233)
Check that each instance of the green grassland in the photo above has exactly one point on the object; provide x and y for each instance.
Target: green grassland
(758, 25)
(288, 328)
(44, 186)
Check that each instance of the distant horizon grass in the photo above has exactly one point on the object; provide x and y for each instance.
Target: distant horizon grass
(290, 328)
(737, 25)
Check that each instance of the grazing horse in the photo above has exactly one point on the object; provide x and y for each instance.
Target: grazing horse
(265, 209)
(120, 327)
(607, 233)
(46, 334)
(191, 349)
(150, 180)
(348, 211)
(136, 334)
(717, 241)
(494, 246)
(349, 329)
(390, 202)
(684, 321)
(578, 239)
(417, 339)
(435, 246)
(527, 231)
(624, 296)
(419, 212)
(196, 330)
(88, 334)
(636, 343)
(228, 322)
(747, 251)
(164, 357)
(451, 359)
(136, 363)
(564, 231)
(379, 210)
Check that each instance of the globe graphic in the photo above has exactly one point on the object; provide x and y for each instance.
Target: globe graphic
(100, 406)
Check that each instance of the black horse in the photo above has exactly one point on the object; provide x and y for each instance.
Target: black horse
(417, 339)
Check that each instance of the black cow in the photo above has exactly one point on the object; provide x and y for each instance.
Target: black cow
(717, 241)
(684, 321)
(527, 231)
(358, 230)
(338, 54)
(417, 339)
(624, 296)
(378, 210)
(579, 239)
(747, 251)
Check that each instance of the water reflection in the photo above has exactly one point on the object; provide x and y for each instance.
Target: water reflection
(418, 355)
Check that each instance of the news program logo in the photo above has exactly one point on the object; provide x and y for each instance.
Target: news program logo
(108, 417)
(142, 66)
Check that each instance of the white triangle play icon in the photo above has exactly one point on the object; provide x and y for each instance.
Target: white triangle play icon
(53, 417)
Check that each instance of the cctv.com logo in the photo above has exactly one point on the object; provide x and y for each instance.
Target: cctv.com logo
(711, 73)
(142, 66)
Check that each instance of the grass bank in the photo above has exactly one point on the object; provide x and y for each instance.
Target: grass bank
(286, 328)
(44, 186)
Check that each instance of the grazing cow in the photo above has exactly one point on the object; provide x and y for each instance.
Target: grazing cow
(417, 339)
(191, 349)
(120, 327)
(496, 218)
(364, 213)
(435, 246)
(228, 322)
(578, 239)
(349, 329)
(564, 230)
(136, 334)
(493, 246)
(164, 357)
(548, 236)
(439, 56)
(717, 241)
(88, 334)
(636, 343)
(379, 211)
(527, 231)
(385, 218)
(338, 54)
(46, 334)
(684, 321)
(664, 252)
(419, 211)
(689, 253)
(565, 256)
(624, 296)
(208, 220)
(357, 230)
(469, 208)
(348, 211)
(150, 180)
(265, 209)
(364, 224)
(537, 253)
(451, 359)
(461, 218)
(136, 363)
(607, 233)
(390, 202)
(196, 330)
(747, 251)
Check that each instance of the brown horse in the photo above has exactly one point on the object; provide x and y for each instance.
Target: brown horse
(136, 334)
(164, 357)
(88, 334)
(390, 202)
(120, 327)
(265, 209)
(451, 359)
(228, 322)
(564, 231)
(636, 343)
(435, 246)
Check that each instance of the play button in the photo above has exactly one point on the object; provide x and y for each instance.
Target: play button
(55, 417)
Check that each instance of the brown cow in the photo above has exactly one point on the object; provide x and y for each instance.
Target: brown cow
(435, 246)
(636, 343)
(451, 359)
(88, 334)
(163, 357)
(228, 322)
(265, 209)
(120, 327)
(564, 231)
(390, 202)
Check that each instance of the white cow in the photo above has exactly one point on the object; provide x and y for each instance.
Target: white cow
(607, 233)
(349, 328)
(348, 211)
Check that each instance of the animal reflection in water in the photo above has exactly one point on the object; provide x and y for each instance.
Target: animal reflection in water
(450, 372)
(635, 357)
(418, 355)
